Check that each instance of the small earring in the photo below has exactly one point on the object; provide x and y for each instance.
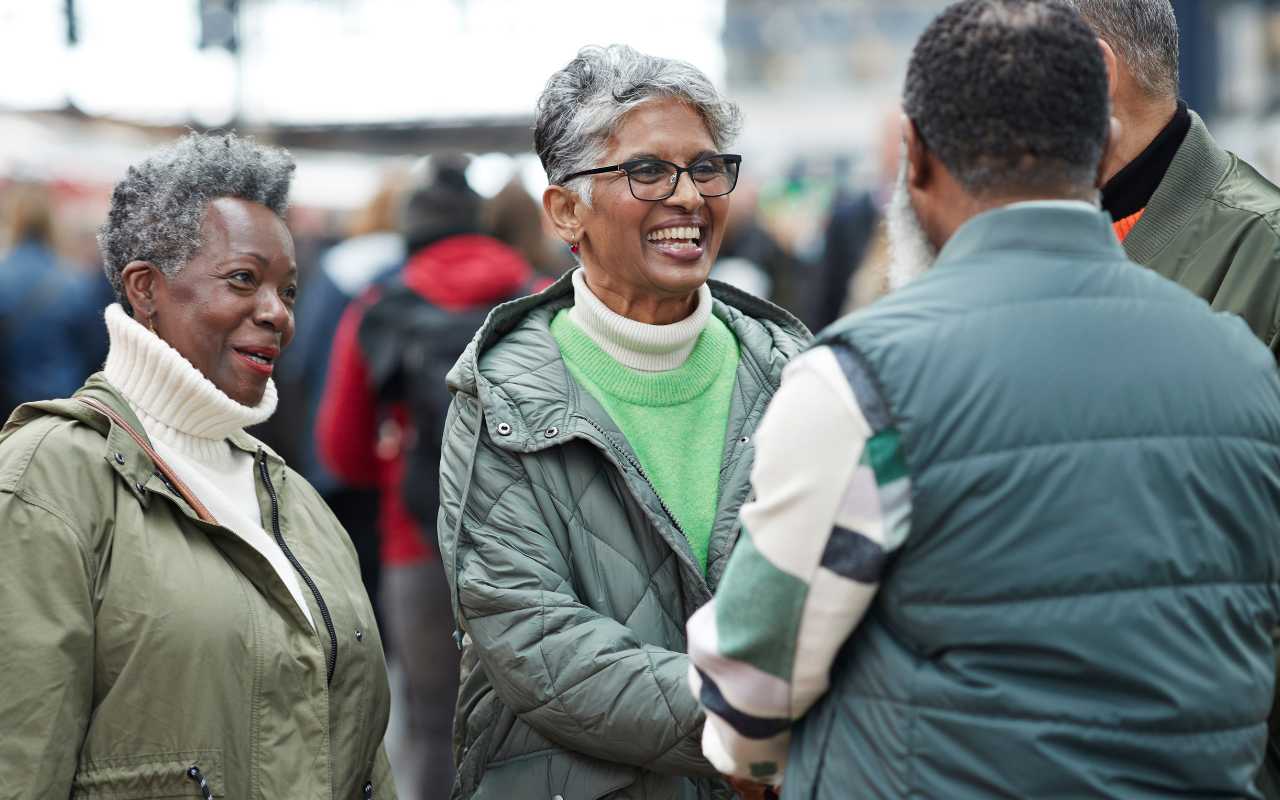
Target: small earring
(573, 247)
(151, 323)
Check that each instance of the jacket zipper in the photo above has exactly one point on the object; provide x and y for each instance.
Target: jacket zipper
(315, 590)
(194, 773)
(640, 470)
(368, 791)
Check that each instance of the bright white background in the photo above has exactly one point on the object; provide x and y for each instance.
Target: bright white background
(329, 61)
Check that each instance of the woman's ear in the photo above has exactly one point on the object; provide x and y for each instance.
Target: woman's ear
(564, 208)
(140, 280)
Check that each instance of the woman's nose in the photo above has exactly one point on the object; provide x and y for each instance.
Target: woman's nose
(686, 193)
(273, 311)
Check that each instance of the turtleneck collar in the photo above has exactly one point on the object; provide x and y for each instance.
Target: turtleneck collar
(174, 401)
(643, 347)
(1129, 191)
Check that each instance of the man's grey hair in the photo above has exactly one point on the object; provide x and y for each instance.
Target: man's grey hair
(1144, 35)
(584, 103)
(158, 209)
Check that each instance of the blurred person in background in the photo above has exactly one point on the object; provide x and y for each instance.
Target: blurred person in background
(1014, 530)
(870, 278)
(373, 249)
(1182, 205)
(750, 258)
(183, 615)
(598, 449)
(514, 217)
(850, 233)
(51, 331)
(381, 420)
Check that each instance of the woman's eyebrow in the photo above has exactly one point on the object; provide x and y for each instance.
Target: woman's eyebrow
(650, 156)
(252, 255)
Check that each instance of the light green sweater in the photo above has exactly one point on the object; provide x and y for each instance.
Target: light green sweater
(675, 420)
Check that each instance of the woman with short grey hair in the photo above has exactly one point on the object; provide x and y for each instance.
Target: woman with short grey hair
(599, 447)
(183, 615)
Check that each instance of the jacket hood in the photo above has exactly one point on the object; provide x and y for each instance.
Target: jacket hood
(469, 270)
(514, 367)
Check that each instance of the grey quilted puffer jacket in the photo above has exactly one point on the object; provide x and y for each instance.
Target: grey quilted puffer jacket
(571, 580)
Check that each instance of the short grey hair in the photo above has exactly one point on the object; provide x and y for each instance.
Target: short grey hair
(158, 209)
(1144, 34)
(584, 103)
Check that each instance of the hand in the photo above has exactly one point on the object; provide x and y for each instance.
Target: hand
(750, 790)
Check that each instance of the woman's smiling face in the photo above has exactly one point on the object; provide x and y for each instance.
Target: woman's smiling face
(660, 250)
(229, 311)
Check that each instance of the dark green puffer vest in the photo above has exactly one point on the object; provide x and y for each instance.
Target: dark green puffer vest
(1085, 603)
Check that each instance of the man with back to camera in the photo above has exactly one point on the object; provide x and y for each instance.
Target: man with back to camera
(1181, 204)
(1014, 532)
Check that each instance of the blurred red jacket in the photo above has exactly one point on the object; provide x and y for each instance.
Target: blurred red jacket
(361, 439)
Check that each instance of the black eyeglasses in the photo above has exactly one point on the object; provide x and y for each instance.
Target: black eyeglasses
(653, 179)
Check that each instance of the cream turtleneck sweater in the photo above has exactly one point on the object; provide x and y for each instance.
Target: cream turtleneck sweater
(647, 348)
(188, 420)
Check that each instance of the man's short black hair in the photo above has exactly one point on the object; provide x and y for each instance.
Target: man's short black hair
(1011, 95)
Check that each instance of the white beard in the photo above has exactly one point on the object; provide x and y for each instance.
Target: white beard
(910, 252)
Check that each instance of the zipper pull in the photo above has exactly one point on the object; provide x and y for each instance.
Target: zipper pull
(194, 773)
(368, 790)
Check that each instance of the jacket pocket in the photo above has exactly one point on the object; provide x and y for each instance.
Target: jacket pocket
(554, 774)
(154, 776)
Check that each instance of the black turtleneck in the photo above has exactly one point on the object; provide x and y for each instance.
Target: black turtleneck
(1132, 187)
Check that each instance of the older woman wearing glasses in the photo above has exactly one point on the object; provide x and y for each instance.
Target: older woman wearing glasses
(599, 448)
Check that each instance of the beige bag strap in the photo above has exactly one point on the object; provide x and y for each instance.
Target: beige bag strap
(165, 469)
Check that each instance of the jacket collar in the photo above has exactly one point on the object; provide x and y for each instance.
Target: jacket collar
(1196, 172)
(125, 456)
(514, 368)
(1044, 227)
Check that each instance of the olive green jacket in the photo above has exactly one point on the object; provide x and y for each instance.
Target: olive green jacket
(1213, 226)
(141, 643)
(572, 579)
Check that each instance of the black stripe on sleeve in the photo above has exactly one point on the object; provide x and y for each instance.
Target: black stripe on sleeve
(865, 386)
(854, 556)
(745, 724)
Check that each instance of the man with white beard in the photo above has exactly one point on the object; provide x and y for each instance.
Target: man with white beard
(1014, 531)
(910, 251)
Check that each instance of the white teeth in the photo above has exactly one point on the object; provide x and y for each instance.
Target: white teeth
(687, 232)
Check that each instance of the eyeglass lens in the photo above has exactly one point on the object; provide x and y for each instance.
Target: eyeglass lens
(656, 180)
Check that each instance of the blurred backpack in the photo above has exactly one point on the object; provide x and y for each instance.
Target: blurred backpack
(410, 345)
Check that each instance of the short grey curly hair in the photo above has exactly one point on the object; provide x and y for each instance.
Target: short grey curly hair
(157, 210)
(1144, 34)
(583, 104)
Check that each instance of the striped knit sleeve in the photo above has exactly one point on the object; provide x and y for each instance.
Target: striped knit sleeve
(832, 502)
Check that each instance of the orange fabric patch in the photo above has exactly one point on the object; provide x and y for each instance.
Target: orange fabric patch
(1123, 227)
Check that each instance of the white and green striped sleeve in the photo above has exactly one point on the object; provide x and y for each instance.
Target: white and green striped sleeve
(832, 501)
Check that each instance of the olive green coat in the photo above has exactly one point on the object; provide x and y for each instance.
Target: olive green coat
(572, 579)
(140, 642)
(1213, 226)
